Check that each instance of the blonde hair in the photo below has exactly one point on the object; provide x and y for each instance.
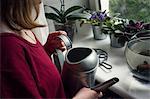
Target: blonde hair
(17, 14)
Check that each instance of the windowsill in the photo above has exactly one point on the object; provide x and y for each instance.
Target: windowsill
(128, 86)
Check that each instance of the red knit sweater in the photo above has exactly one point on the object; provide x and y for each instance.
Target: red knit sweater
(26, 70)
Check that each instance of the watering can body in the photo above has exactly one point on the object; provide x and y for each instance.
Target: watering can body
(77, 69)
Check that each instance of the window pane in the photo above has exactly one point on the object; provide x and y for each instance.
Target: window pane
(131, 9)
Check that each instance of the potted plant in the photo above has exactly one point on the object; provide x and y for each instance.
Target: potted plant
(122, 30)
(115, 27)
(96, 19)
(64, 19)
(134, 27)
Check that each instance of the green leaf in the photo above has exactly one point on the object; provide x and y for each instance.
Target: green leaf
(63, 19)
(119, 27)
(56, 10)
(72, 9)
(76, 17)
(144, 31)
(109, 24)
(53, 16)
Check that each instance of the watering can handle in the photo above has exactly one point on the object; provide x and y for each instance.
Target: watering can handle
(58, 56)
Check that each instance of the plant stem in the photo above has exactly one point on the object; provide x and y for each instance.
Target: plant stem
(62, 6)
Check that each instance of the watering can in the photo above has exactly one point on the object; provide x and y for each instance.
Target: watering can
(77, 68)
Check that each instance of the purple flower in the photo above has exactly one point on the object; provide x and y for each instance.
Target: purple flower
(94, 16)
(100, 16)
(135, 25)
(139, 25)
(97, 18)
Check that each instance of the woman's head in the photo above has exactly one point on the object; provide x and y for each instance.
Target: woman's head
(17, 14)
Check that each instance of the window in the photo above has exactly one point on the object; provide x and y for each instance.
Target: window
(131, 9)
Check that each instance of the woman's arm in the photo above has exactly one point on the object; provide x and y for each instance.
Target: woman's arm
(53, 42)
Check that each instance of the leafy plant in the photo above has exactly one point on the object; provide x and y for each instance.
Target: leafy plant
(114, 24)
(133, 27)
(124, 28)
(64, 16)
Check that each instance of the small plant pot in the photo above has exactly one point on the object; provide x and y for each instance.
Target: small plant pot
(117, 41)
(98, 34)
(70, 28)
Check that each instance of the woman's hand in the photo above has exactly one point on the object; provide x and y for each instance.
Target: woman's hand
(54, 43)
(87, 93)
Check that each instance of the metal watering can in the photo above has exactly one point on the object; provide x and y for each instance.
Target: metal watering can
(77, 68)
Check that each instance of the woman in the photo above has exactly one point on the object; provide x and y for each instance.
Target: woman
(26, 69)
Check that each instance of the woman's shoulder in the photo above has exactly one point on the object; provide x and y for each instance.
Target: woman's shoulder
(14, 40)
(10, 41)
(9, 38)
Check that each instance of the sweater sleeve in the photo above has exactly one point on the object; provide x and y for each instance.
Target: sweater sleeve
(48, 49)
(16, 78)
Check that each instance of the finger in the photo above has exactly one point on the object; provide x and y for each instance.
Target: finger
(100, 94)
(59, 33)
(62, 48)
(62, 32)
(53, 35)
(60, 44)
